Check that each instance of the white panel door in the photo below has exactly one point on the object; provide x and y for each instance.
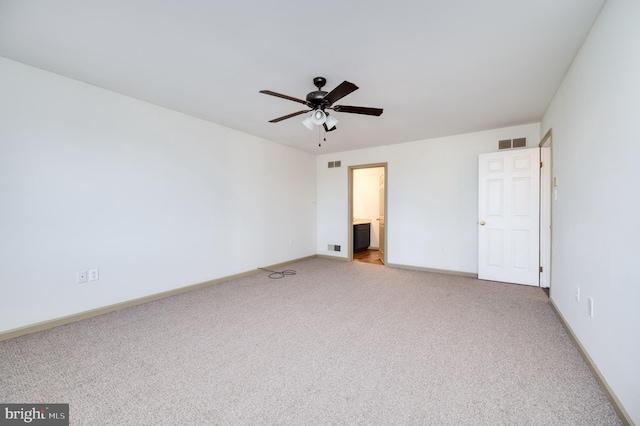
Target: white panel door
(545, 217)
(508, 216)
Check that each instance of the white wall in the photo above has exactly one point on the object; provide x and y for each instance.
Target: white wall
(432, 188)
(156, 199)
(366, 199)
(595, 118)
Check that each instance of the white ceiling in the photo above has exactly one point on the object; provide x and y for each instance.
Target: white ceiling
(437, 68)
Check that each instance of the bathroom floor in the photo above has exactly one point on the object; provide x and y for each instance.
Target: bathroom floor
(368, 256)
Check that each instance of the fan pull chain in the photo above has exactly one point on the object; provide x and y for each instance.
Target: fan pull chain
(324, 138)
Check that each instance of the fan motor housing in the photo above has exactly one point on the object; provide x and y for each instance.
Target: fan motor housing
(317, 97)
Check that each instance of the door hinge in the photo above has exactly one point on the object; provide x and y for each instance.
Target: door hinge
(541, 269)
(541, 164)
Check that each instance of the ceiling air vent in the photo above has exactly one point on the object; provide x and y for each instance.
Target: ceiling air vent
(512, 143)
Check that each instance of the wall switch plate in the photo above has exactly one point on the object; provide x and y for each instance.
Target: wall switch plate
(94, 274)
(82, 277)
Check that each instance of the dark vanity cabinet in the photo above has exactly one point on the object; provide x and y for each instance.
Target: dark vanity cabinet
(361, 236)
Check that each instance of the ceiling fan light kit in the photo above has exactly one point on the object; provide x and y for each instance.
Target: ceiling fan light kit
(308, 122)
(319, 101)
(331, 122)
(319, 117)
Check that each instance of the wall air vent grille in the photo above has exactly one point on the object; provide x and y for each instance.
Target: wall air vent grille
(512, 143)
(505, 144)
(520, 143)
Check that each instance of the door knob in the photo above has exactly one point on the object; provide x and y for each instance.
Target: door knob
(482, 223)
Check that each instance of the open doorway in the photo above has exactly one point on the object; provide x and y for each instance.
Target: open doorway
(367, 213)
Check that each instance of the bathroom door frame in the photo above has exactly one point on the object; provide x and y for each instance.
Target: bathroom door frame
(385, 240)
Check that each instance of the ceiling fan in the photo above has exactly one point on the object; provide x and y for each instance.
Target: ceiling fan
(320, 101)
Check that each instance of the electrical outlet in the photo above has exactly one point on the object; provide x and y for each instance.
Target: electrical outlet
(577, 294)
(94, 274)
(82, 277)
(443, 250)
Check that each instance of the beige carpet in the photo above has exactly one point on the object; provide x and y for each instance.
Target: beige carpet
(336, 344)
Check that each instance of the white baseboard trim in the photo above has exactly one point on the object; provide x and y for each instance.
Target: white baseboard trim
(44, 325)
(613, 399)
(437, 271)
(326, 256)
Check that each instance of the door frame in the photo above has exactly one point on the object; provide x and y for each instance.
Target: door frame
(546, 195)
(350, 212)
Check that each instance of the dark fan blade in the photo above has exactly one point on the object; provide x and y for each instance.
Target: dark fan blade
(326, 129)
(340, 92)
(280, 95)
(358, 110)
(284, 117)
